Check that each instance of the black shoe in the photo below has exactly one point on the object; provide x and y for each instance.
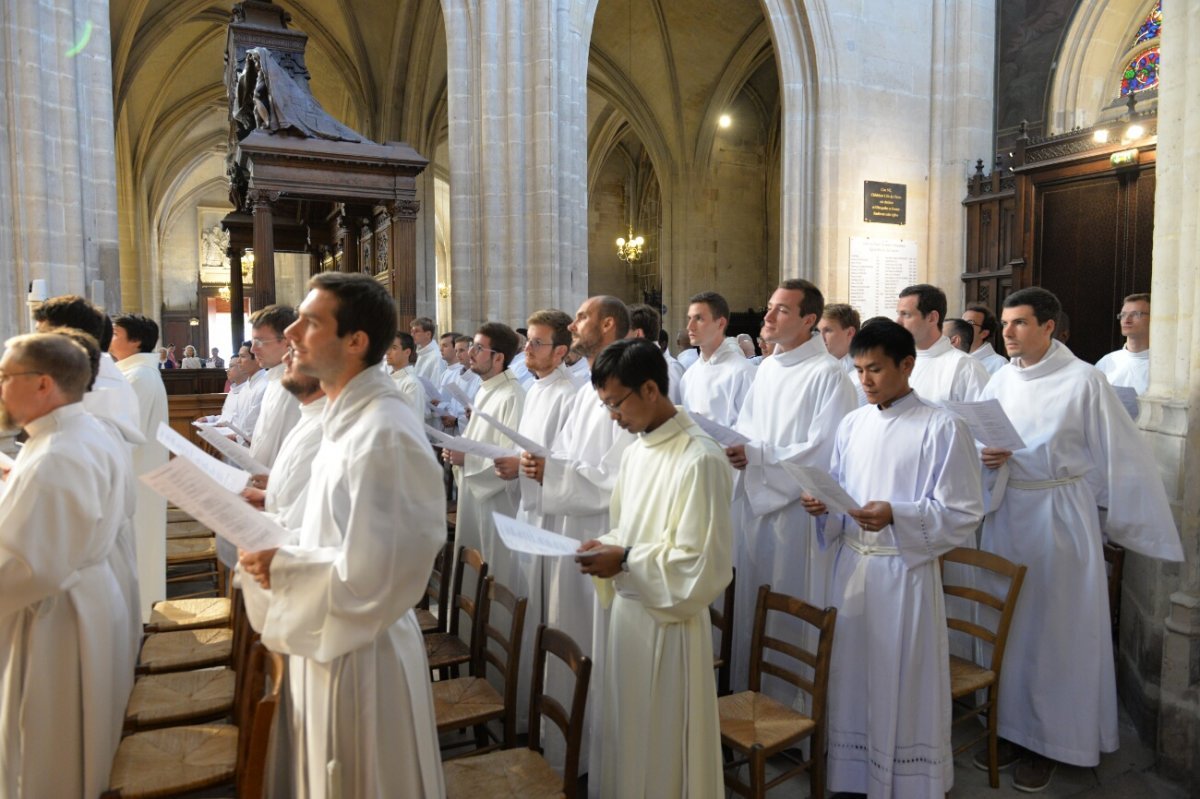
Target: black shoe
(1007, 755)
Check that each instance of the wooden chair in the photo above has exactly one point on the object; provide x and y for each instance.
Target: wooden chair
(523, 773)
(1114, 563)
(472, 701)
(447, 651)
(722, 622)
(967, 677)
(179, 760)
(169, 615)
(195, 558)
(437, 591)
(757, 727)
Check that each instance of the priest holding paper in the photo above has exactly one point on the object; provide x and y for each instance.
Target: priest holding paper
(280, 411)
(341, 599)
(1058, 696)
(912, 466)
(775, 544)
(665, 560)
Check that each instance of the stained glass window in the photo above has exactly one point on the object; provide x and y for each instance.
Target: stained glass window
(1141, 73)
(1151, 27)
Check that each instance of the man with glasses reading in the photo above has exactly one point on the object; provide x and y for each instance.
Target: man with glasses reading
(280, 411)
(1130, 365)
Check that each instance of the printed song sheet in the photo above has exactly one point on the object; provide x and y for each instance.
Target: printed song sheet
(820, 485)
(522, 537)
(234, 451)
(228, 477)
(226, 514)
(431, 391)
(526, 444)
(460, 396)
(469, 446)
(725, 436)
(989, 424)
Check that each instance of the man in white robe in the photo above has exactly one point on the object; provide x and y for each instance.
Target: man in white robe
(452, 415)
(987, 337)
(280, 411)
(942, 372)
(63, 616)
(480, 490)
(675, 369)
(912, 465)
(839, 322)
(577, 482)
(665, 560)
(430, 364)
(132, 346)
(545, 411)
(1058, 694)
(687, 351)
(401, 356)
(1130, 365)
(791, 415)
(716, 384)
(645, 322)
(250, 402)
(340, 600)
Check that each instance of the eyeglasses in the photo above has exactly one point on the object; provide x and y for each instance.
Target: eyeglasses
(1134, 315)
(258, 342)
(6, 376)
(533, 344)
(615, 407)
(474, 348)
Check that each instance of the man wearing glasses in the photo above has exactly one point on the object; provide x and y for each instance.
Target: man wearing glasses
(1130, 366)
(280, 411)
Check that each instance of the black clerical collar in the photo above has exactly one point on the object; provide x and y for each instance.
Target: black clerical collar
(895, 401)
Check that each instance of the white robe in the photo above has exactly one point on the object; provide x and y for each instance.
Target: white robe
(480, 490)
(411, 390)
(944, 372)
(430, 365)
(577, 485)
(1058, 692)
(715, 387)
(521, 371)
(889, 685)
(791, 414)
(675, 372)
(1125, 368)
(279, 413)
(662, 733)
(150, 521)
(466, 380)
(688, 357)
(63, 618)
(341, 603)
(851, 371)
(991, 360)
(250, 402)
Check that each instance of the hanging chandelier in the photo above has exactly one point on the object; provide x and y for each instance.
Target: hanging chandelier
(630, 249)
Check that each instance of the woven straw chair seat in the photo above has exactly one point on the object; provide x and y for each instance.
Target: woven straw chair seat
(165, 762)
(187, 528)
(445, 649)
(190, 614)
(465, 701)
(750, 718)
(427, 620)
(508, 774)
(187, 649)
(180, 695)
(967, 677)
(186, 550)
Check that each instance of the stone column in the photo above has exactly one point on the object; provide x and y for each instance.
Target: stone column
(237, 303)
(263, 203)
(58, 209)
(1169, 417)
(517, 106)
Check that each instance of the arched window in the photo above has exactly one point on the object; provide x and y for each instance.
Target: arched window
(1151, 27)
(1141, 70)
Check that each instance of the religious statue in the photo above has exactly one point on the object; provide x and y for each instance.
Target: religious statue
(270, 99)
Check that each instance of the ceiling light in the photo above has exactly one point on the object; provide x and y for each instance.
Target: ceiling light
(725, 121)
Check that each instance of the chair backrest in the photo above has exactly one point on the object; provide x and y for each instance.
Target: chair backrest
(1004, 606)
(244, 635)
(817, 662)
(722, 622)
(507, 660)
(559, 644)
(437, 588)
(263, 679)
(461, 603)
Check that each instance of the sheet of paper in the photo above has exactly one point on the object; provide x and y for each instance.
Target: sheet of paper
(725, 436)
(526, 444)
(6, 462)
(235, 452)
(1128, 398)
(226, 514)
(228, 477)
(521, 537)
(460, 396)
(989, 424)
(469, 446)
(820, 485)
(242, 433)
(431, 391)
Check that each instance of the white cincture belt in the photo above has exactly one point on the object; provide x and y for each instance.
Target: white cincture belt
(869, 549)
(1041, 485)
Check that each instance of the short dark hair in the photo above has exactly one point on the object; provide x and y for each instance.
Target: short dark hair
(407, 343)
(874, 320)
(990, 323)
(891, 337)
(558, 321)
(718, 306)
(461, 338)
(929, 299)
(610, 307)
(362, 304)
(277, 317)
(644, 318)
(522, 331)
(1045, 305)
(502, 338)
(450, 335)
(961, 328)
(141, 329)
(106, 336)
(1141, 296)
(425, 323)
(632, 361)
(845, 315)
(90, 346)
(814, 300)
(71, 310)
(58, 356)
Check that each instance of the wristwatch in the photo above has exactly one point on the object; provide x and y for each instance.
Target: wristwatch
(625, 560)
